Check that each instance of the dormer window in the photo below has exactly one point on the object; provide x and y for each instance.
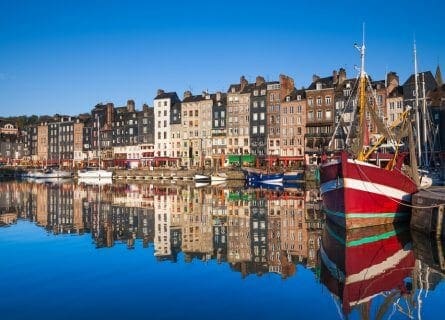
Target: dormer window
(298, 97)
(255, 93)
(348, 85)
(318, 86)
(287, 98)
(233, 89)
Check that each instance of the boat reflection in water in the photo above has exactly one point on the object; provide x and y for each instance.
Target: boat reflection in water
(366, 264)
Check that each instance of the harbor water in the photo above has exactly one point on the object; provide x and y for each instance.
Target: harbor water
(165, 251)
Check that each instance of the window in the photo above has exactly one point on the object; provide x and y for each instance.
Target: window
(255, 104)
(318, 101)
(310, 102)
(254, 129)
(310, 115)
(255, 116)
(328, 114)
(262, 129)
(319, 86)
(328, 100)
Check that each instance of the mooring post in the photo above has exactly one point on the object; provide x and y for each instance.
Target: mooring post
(439, 222)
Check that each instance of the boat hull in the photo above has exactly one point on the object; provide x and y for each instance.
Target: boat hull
(259, 177)
(358, 194)
(293, 176)
(201, 178)
(218, 177)
(49, 174)
(359, 264)
(95, 174)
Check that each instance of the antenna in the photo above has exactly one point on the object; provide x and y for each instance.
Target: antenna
(361, 49)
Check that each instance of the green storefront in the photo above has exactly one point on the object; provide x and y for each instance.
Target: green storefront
(241, 159)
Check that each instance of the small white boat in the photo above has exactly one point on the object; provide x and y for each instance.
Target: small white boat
(95, 181)
(218, 182)
(201, 184)
(48, 174)
(221, 176)
(95, 174)
(201, 177)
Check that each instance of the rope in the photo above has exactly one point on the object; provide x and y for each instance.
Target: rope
(397, 201)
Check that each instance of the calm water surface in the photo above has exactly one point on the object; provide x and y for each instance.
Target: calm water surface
(72, 251)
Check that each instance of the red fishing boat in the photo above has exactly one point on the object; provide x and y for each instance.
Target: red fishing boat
(359, 265)
(362, 185)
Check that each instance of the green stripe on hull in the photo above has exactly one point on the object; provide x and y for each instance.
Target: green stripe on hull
(374, 238)
(365, 240)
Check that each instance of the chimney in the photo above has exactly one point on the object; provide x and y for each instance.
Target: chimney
(392, 77)
(243, 83)
(187, 94)
(130, 106)
(334, 77)
(315, 78)
(109, 115)
(259, 80)
(341, 75)
(392, 81)
(286, 85)
(160, 91)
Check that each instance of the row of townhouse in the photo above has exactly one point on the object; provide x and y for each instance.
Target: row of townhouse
(273, 123)
(262, 123)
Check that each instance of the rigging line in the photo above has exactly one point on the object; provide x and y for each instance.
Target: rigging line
(392, 199)
(343, 111)
(379, 109)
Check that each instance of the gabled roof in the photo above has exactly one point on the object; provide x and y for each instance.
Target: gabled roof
(396, 92)
(295, 93)
(326, 83)
(248, 88)
(167, 95)
(428, 78)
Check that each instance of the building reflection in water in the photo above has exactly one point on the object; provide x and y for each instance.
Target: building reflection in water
(255, 231)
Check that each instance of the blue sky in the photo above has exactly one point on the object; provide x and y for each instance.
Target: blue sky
(67, 56)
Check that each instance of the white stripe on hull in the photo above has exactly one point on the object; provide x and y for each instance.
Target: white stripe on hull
(382, 267)
(365, 186)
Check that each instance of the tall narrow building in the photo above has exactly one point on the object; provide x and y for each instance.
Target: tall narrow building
(166, 112)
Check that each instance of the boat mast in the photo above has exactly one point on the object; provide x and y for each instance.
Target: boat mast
(416, 107)
(362, 126)
(98, 141)
(424, 124)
